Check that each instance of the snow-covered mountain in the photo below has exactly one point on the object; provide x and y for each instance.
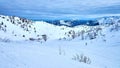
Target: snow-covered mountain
(15, 28)
(73, 23)
(22, 44)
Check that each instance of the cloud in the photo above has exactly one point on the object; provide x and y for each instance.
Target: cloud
(58, 7)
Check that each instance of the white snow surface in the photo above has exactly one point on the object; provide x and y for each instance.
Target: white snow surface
(56, 52)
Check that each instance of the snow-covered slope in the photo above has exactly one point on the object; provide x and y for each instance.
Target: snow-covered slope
(66, 47)
(15, 28)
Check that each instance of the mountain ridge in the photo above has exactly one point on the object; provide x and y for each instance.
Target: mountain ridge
(24, 29)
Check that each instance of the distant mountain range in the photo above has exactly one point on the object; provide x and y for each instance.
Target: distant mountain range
(77, 22)
(72, 23)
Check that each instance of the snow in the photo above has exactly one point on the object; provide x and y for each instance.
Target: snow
(20, 52)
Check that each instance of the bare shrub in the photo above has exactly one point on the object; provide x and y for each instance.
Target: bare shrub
(61, 51)
(23, 35)
(4, 40)
(32, 39)
(82, 34)
(1, 23)
(44, 37)
(35, 39)
(82, 58)
(73, 34)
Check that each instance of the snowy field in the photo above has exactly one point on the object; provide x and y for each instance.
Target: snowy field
(59, 54)
(17, 51)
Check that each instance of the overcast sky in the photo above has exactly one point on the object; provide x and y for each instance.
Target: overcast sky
(38, 9)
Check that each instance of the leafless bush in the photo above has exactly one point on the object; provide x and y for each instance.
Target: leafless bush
(82, 58)
(23, 35)
(61, 51)
(73, 34)
(4, 40)
(35, 39)
(32, 39)
(82, 34)
(44, 37)
(115, 27)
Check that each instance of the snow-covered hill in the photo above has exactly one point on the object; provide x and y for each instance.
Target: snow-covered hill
(81, 46)
(15, 28)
